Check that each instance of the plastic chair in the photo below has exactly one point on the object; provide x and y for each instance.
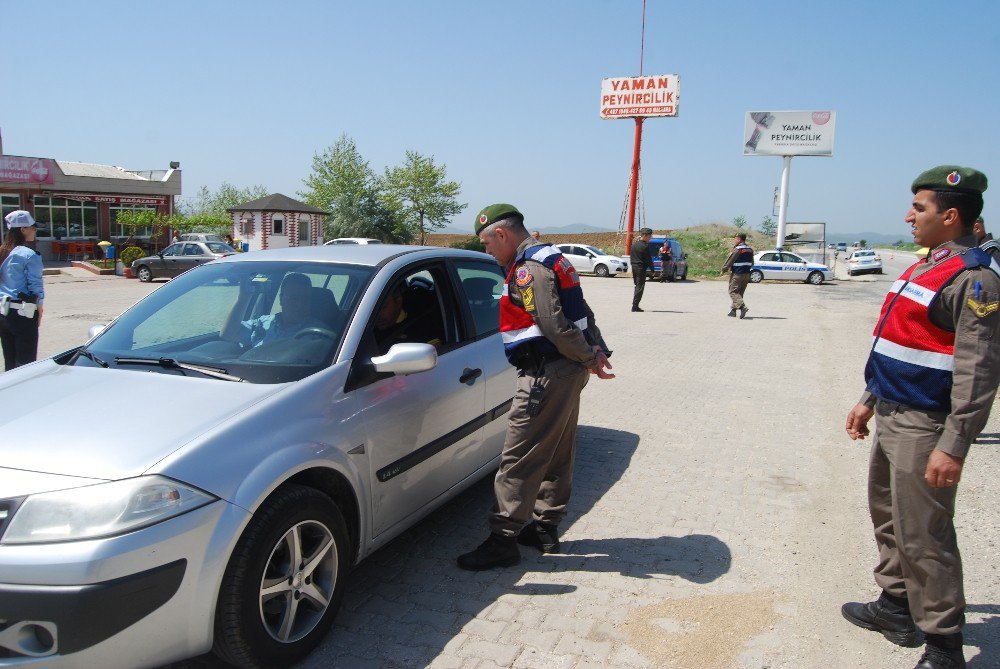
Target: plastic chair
(57, 250)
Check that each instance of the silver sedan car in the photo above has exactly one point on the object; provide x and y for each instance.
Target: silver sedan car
(309, 405)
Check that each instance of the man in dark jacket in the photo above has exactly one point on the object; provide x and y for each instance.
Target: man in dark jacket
(642, 262)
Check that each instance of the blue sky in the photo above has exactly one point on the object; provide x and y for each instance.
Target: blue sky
(506, 94)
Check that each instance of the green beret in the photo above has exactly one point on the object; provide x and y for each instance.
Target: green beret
(496, 212)
(645, 231)
(953, 178)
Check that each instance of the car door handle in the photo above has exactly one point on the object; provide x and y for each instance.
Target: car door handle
(470, 375)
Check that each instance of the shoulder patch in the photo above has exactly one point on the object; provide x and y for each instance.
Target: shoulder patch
(941, 254)
(523, 276)
(982, 309)
(528, 298)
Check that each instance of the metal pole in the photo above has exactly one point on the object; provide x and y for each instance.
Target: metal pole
(634, 185)
(783, 207)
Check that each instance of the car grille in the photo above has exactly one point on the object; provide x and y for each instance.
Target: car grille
(7, 509)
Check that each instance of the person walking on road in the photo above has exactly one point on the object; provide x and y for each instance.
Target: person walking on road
(550, 335)
(641, 261)
(21, 291)
(931, 379)
(738, 264)
(665, 259)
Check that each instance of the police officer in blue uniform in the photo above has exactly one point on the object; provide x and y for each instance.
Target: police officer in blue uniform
(931, 380)
(21, 292)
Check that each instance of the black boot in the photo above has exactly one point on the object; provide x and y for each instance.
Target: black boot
(635, 308)
(542, 536)
(497, 551)
(743, 311)
(943, 651)
(732, 313)
(888, 615)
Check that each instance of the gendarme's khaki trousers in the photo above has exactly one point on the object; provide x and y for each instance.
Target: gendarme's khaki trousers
(738, 286)
(536, 466)
(914, 528)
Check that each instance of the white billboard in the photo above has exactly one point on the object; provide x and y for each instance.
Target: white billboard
(789, 133)
(625, 97)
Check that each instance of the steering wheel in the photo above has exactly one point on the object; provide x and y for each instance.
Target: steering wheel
(322, 332)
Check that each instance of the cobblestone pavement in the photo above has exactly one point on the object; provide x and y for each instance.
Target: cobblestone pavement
(718, 518)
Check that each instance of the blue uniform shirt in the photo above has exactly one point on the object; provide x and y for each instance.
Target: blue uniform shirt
(270, 328)
(21, 272)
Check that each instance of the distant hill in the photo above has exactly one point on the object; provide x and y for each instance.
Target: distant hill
(873, 238)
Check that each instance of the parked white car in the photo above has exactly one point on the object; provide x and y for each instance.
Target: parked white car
(865, 260)
(265, 434)
(352, 240)
(590, 259)
(785, 266)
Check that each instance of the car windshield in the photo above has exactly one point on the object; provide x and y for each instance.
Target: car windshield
(596, 251)
(219, 247)
(261, 322)
(864, 253)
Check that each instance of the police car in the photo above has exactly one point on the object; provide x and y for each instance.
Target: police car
(785, 266)
(586, 258)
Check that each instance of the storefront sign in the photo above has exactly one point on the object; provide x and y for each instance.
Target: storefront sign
(21, 170)
(789, 133)
(623, 97)
(113, 199)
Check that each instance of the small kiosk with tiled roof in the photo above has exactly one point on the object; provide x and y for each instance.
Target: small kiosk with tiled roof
(277, 222)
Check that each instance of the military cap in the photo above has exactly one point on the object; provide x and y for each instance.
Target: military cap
(645, 231)
(954, 178)
(496, 212)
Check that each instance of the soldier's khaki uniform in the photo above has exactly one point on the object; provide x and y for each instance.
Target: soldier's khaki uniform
(536, 467)
(918, 553)
(737, 280)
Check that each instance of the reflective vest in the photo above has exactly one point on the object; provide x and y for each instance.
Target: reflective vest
(912, 359)
(517, 326)
(744, 259)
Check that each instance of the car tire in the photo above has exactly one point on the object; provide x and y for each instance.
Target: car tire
(251, 631)
(144, 273)
(756, 276)
(602, 271)
(815, 278)
(850, 273)
(684, 276)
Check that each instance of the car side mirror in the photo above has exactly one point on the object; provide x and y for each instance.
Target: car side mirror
(406, 358)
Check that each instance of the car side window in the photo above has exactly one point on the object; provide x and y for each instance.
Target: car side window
(192, 250)
(791, 257)
(417, 307)
(482, 286)
(769, 257)
(172, 250)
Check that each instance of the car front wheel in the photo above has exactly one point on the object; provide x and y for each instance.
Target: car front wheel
(284, 581)
(601, 271)
(815, 278)
(144, 274)
(756, 276)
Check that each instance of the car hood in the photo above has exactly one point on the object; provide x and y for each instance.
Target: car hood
(109, 423)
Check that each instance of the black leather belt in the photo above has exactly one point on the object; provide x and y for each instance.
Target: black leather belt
(530, 359)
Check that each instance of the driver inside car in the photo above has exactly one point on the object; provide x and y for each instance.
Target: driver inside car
(294, 317)
(394, 324)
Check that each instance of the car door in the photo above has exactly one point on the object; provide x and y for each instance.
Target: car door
(165, 264)
(793, 267)
(424, 430)
(770, 266)
(576, 256)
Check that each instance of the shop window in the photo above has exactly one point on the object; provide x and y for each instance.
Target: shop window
(8, 203)
(121, 230)
(61, 218)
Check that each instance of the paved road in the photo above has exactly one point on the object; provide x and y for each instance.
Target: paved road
(718, 519)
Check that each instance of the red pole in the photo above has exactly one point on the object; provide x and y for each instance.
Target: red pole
(634, 186)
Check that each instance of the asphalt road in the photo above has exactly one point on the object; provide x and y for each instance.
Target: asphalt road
(719, 516)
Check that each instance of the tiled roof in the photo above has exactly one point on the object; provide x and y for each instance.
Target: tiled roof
(277, 202)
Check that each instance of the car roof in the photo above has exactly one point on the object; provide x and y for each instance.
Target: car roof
(368, 255)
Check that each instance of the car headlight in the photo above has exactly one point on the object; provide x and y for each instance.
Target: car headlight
(101, 510)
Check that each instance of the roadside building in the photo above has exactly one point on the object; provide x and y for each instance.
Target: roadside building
(277, 222)
(77, 204)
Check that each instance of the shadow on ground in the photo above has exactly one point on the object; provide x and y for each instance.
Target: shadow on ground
(409, 599)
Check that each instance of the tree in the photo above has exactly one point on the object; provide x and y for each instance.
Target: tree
(207, 211)
(343, 184)
(863, 243)
(768, 227)
(425, 197)
(740, 222)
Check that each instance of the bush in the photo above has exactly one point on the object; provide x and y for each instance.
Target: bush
(470, 244)
(130, 254)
